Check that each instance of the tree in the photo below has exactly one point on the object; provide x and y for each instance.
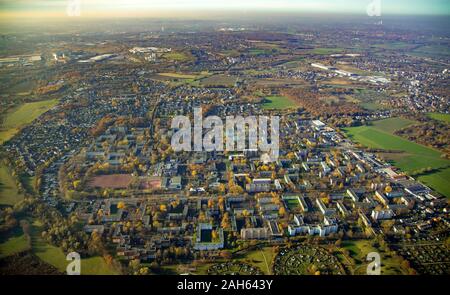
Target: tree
(388, 189)
(121, 205)
(387, 225)
(143, 271)
(201, 216)
(134, 265)
(221, 202)
(76, 184)
(214, 235)
(282, 211)
(225, 221)
(226, 254)
(211, 203)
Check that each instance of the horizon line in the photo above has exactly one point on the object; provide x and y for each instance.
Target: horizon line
(203, 14)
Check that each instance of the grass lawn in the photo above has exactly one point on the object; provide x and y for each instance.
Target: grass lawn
(390, 265)
(178, 75)
(219, 81)
(177, 79)
(278, 102)
(440, 117)
(9, 195)
(175, 269)
(23, 115)
(292, 203)
(14, 243)
(56, 257)
(431, 51)
(177, 56)
(257, 51)
(392, 124)
(415, 156)
(262, 258)
(326, 51)
(393, 45)
(372, 106)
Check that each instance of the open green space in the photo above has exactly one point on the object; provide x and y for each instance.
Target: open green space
(9, 194)
(14, 242)
(440, 117)
(278, 102)
(177, 56)
(372, 106)
(219, 81)
(325, 51)
(23, 115)
(193, 79)
(392, 124)
(397, 45)
(257, 51)
(56, 257)
(358, 250)
(431, 51)
(174, 269)
(369, 99)
(178, 75)
(292, 203)
(413, 156)
(261, 258)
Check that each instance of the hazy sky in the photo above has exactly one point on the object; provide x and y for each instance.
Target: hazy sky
(178, 7)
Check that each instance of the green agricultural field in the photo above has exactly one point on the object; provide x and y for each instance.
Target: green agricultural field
(23, 115)
(9, 194)
(440, 117)
(257, 51)
(176, 79)
(392, 124)
(326, 51)
(178, 75)
(56, 257)
(278, 102)
(431, 51)
(372, 106)
(219, 81)
(393, 45)
(413, 157)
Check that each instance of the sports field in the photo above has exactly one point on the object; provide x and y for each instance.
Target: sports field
(413, 156)
(23, 115)
(113, 181)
